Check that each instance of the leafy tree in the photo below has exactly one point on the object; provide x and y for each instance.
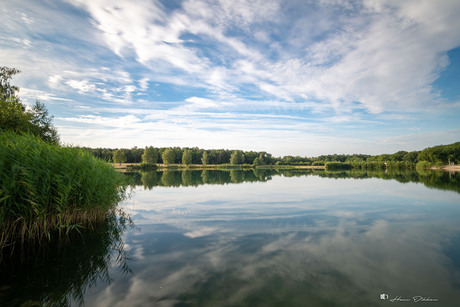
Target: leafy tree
(41, 124)
(204, 158)
(187, 157)
(168, 156)
(119, 156)
(411, 157)
(150, 155)
(8, 91)
(237, 157)
(14, 115)
(134, 155)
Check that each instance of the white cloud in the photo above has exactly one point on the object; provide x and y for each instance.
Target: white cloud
(120, 122)
(31, 95)
(144, 83)
(83, 86)
(266, 69)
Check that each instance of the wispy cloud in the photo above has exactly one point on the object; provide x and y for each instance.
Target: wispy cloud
(341, 64)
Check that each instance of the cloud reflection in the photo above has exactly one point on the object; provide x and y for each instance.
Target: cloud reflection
(315, 242)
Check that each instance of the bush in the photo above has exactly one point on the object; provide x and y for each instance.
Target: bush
(48, 190)
(439, 164)
(423, 165)
(318, 163)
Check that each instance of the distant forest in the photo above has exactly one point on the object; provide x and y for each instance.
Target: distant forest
(438, 155)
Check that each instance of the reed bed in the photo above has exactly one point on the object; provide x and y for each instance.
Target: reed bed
(48, 191)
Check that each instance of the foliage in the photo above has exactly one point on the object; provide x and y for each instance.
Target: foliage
(237, 157)
(168, 156)
(442, 153)
(119, 156)
(48, 190)
(8, 91)
(41, 124)
(400, 159)
(141, 166)
(14, 116)
(423, 165)
(187, 157)
(150, 155)
(204, 158)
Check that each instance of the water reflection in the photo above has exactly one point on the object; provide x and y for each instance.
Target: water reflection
(279, 238)
(306, 240)
(60, 274)
(150, 179)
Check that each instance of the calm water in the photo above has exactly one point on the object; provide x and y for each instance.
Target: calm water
(263, 239)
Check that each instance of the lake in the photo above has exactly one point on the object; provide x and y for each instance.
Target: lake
(262, 238)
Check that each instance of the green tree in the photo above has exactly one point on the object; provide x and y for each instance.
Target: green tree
(187, 157)
(150, 155)
(8, 91)
(119, 156)
(237, 157)
(13, 116)
(204, 158)
(16, 117)
(41, 124)
(168, 156)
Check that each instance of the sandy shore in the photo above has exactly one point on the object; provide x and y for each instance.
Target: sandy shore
(452, 168)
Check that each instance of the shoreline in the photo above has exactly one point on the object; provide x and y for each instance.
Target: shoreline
(132, 166)
(450, 168)
(127, 166)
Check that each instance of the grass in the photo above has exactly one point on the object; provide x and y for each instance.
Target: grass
(49, 191)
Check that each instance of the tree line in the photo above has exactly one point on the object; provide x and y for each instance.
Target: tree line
(178, 155)
(438, 155)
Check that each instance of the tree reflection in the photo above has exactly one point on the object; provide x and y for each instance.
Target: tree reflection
(60, 273)
(150, 179)
(187, 178)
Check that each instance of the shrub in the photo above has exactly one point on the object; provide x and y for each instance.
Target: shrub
(318, 163)
(439, 164)
(423, 165)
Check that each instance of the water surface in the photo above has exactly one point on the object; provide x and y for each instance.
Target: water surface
(286, 239)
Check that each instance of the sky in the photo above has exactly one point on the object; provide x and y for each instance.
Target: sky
(290, 77)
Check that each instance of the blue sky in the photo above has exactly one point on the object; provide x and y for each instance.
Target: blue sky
(288, 77)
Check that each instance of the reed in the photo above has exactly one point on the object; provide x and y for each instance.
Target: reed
(48, 191)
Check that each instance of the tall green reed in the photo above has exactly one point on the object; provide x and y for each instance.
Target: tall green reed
(49, 190)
